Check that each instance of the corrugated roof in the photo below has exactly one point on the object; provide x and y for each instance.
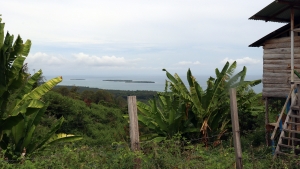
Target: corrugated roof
(279, 11)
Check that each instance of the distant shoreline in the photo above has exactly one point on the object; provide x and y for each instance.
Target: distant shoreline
(130, 81)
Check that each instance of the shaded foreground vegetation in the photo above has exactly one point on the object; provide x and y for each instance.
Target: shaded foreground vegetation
(169, 154)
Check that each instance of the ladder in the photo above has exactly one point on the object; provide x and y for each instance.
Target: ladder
(289, 139)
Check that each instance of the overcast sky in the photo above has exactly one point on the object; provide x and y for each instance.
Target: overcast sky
(137, 37)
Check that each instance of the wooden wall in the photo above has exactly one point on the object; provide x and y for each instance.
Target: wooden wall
(277, 66)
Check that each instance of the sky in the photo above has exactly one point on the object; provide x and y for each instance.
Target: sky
(138, 37)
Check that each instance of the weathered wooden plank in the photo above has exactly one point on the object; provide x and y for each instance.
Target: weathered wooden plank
(275, 56)
(281, 51)
(275, 80)
(276, 67)
(280, 45)
(281, 61)
(277, 71)
(280, 85)
(275, 94)
(281, 75)
(283, 39)
(280, 67)
(284, 77)
(265, 89)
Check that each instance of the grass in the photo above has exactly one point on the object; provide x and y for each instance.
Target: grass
(170, 154)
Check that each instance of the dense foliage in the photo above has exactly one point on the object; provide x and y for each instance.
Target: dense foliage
(98, 123)
(192, 111)
(20, 102)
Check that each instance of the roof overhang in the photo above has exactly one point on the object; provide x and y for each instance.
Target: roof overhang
(271, 35)
(279, 11)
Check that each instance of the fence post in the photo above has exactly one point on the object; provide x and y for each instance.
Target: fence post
(133, 126)
(235, 129)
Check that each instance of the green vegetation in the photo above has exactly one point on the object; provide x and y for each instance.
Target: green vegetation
(183, 127)
(21, 104)
(196, 112)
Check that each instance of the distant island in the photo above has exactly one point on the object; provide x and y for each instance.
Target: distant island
(130, 81)
(77, 79)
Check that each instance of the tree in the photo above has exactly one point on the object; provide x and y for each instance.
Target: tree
(21, 103)
(208, 110)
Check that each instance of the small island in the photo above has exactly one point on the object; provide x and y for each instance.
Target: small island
(139, 82)
(130, 81)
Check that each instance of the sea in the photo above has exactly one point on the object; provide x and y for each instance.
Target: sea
(158, 85)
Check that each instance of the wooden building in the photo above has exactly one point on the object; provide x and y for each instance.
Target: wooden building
(281, 56)
(277, 62)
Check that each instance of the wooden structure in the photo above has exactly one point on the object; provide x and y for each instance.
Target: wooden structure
(277, 62)
(281, 57)
(235, 129)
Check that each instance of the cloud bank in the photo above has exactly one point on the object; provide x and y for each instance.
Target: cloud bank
(242, 61)
(81, 59)
(188, 63)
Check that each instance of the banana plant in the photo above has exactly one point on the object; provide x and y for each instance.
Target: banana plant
(165, 116)
(12, 74)
(211, 106)
(30, 105)
(21, 106)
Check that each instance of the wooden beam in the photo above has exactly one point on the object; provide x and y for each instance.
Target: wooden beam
(270, 85)
(274, 94)
(277, 89)
(281, 45)
(281, 39)
(134, 128)
(267, 137)
(133, 119)
(282, 111)
(235, 129)
(280, 61)
(281, 51)
(292, 47)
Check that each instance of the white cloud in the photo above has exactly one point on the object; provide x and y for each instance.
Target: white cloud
(43, 58)
(93, 60)
(188, 63)
(242, 61)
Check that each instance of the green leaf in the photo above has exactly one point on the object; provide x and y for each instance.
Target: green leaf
(62, 137)
(18, 131)
(9, 122)
(26, 48)
(1, 33)
(37, 93)
(28, 136)
(158, 139)
(42, 142)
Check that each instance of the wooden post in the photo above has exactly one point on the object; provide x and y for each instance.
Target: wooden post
(267, 133)
(235, 129)
(134, 127)
(292, 47)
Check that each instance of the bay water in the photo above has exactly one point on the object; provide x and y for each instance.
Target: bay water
(158, 85)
